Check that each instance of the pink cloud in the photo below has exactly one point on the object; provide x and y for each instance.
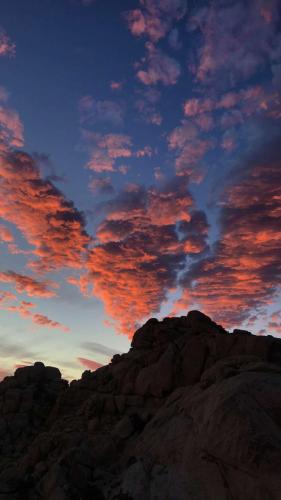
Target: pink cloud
(142, 24)
(237, 39)
(90, 364)
(205, 121)
(190, 148)
(11, 133)
(95, 112)
(161, 68)
(155, 18)
(106, 149)
(248, 100)
(145, 151)
(23, 309)
(7, 48)
(116, 85)
(6, 297)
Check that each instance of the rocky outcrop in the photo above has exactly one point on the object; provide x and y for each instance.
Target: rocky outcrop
(191, 412)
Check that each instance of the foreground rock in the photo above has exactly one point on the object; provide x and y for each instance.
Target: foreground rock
(191, 412)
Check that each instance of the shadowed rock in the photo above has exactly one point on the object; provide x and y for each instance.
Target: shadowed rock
(191, 412)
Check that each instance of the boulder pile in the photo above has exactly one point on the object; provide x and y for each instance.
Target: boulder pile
(191, 412)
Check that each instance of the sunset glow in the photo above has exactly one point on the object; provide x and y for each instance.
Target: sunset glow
(140, 172)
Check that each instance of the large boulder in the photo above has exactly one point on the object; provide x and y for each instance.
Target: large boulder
(191, 412)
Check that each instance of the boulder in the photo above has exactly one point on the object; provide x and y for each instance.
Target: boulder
(191, 412)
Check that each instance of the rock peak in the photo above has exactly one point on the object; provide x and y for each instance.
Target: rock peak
(162, 421)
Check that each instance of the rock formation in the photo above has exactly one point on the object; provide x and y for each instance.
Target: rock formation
(191, 412)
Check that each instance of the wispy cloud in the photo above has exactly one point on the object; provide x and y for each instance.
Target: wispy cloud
(25, 310)
(11, 129)
(104, 113)
(7, 47)
(101, 186)
(98, 348)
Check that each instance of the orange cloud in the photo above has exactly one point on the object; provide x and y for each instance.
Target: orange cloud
(5, 234)
(244, 272)
(29, 285)
(93, 112)
(48, 221)
(6, 297)
(142, 244)
(38, 319)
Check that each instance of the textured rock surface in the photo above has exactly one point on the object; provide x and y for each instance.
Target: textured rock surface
(191, 412)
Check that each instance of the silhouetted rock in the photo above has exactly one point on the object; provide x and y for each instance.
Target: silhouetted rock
(191, 412)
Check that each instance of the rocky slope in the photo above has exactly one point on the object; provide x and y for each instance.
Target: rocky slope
(191, 412)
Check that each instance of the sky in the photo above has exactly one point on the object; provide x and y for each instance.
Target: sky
(140, 172)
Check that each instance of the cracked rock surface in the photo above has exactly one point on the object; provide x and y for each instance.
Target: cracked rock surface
(191, 412)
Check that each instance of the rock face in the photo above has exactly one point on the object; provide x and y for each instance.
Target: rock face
(191, 412)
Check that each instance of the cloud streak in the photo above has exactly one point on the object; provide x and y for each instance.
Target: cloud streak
(90, 364)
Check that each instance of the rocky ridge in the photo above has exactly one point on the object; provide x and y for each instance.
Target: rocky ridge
(191, 412)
